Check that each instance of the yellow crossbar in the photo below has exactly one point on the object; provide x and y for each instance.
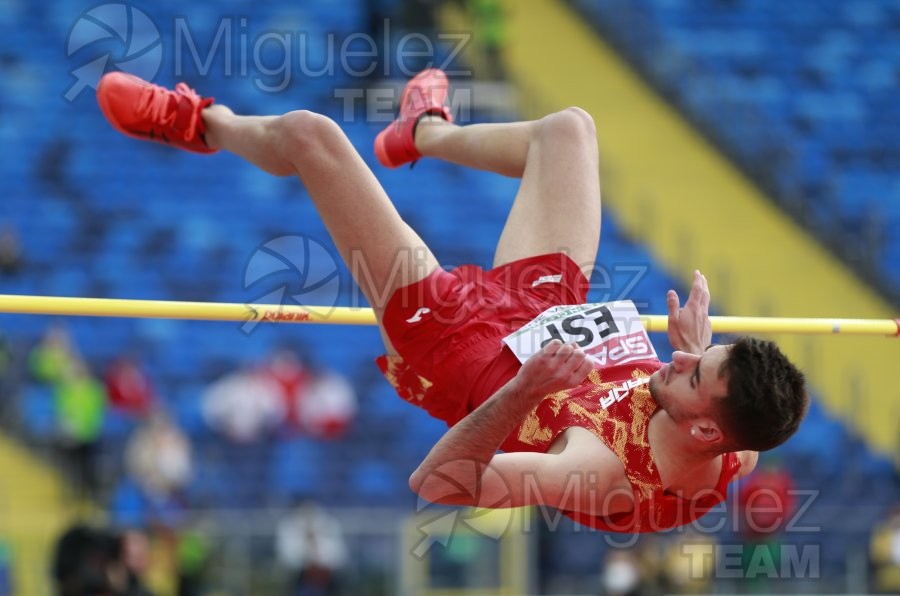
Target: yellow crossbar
(342, 315)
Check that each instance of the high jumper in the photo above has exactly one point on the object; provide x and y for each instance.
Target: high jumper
(587, 418)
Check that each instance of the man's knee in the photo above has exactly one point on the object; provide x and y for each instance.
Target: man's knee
(572, 124)
(301, 133)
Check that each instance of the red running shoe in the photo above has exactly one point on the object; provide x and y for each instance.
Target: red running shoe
(424, 94)
(143, 110)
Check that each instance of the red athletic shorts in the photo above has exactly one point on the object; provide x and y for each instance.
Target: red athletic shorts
(448, 329)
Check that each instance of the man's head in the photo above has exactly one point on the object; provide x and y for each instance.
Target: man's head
(746, 395)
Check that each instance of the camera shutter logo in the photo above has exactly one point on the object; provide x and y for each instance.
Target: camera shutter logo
(292, 270)
(112, 36)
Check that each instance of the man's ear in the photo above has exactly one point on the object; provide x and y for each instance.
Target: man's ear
(707, 431)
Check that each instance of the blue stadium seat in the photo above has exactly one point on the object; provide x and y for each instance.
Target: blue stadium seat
(813, 82)
(296, 468)
(37, 411)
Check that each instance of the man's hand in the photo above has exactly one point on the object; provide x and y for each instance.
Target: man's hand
(556, 367)
(689, 327)
(461, 458)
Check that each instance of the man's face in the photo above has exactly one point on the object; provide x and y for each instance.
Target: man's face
(688, 386)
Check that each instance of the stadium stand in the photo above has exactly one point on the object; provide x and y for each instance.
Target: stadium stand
(802, 98)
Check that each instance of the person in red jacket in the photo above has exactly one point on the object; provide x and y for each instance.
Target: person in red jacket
(766, 506)
(128, 388)
(589, 419)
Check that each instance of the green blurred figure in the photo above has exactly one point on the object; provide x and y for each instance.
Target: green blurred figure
(80, 410)
(490, 35)
(193, 556)
(51, 359)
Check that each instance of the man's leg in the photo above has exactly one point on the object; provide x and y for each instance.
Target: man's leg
(382, 251)
(500, 148)
(557, 208)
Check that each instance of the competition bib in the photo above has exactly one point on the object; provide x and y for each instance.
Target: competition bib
(610, 333)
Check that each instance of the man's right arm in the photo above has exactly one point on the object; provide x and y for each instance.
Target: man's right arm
(463, 467)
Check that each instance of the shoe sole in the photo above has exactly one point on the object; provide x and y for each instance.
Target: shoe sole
(381, 152)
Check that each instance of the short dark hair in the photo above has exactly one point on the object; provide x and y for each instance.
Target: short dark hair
(766, 399)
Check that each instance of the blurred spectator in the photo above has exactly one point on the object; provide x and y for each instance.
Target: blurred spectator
(52, 358)
(765, 504)
(327, 406)
(96, 562)
(884, 553)
(688, 563)
(158, 457)
(128, 388)
(285, 368)
(408, 20)
(6, 358)
(309, 544)
(80, 409)
(249, 405)
(245, 406)
(622, 574)
(8, 376)
(651, 552)
(317, 403)
(489, 34)
(418, 16)
(136, 558)
(193, 556)
(10, 252)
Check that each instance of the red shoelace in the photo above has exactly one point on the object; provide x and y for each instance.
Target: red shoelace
(162, 108)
